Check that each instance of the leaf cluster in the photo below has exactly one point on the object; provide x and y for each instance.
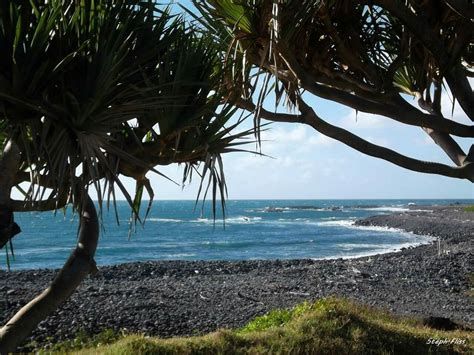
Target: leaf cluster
(365, 55)
(357, 47)
(91, 90)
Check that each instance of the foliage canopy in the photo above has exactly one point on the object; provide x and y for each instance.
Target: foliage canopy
(365, 55)
(94, 90)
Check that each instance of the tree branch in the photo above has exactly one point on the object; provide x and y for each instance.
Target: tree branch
(461, 90)
(39, 206)
(271, 116)
(310, 118)
(42, 180)
(457, 81)
(449, 146)
(388, 106)
(50, 204)
(443, 140)
(464, 172)
(77, 267)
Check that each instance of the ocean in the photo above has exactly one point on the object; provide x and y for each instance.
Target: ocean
(252, 229)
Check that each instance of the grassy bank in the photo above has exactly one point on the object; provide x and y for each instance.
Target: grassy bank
(329, 326)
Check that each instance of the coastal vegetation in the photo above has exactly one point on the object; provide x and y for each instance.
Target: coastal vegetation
(372, 57)
(328, 326)
(94, 91)
(91, 92)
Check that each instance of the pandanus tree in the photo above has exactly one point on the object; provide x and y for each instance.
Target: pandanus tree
(91, 91)
(371, 56)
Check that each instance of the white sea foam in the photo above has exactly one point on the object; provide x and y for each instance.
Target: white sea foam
(179, 255)
(243, 219)
(398, 208)
(336, 223)
(216, 242)
(379, 229)
(351, 246)
(414, 240)
(292, 209)
(40, 251)
(376, 249)
(291, 220)
(203, 220)
(388, 209)
(164, 220)
(230, 220)
(350, 223)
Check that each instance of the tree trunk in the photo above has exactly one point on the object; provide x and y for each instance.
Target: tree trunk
(9, 163)
(77, 267)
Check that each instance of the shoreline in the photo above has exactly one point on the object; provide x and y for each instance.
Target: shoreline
(428, 239)
(168, 298)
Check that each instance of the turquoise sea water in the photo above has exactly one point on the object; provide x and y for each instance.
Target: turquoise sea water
(254, 229)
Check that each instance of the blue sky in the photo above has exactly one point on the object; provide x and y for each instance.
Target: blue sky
(305, 164)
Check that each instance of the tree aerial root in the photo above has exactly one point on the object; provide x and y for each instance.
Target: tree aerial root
(75, 270)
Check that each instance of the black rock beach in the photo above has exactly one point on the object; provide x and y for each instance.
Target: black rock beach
(167, 298)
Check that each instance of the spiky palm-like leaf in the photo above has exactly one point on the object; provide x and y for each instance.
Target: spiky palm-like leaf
(92, 90)
(362, 55)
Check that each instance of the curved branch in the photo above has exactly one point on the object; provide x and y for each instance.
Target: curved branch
(457, 81)
(271, 116)
(77, 267)
(410, 115)
(310, 118)
(50, 204)
(389, 106)
(39, 206)
(461, 90)
(464, 172)
(449, 146)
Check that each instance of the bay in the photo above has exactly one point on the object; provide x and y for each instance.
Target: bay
(252, 229)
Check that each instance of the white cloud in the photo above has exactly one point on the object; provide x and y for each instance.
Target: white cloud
(297, 139)
(321, 140)
(279, 134)
(363, 120)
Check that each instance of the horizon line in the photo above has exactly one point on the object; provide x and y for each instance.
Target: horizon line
(309, 199)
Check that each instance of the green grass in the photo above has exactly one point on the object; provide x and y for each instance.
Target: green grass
(83, 340)
(469, 208)
(276, 318)
(329, 326)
